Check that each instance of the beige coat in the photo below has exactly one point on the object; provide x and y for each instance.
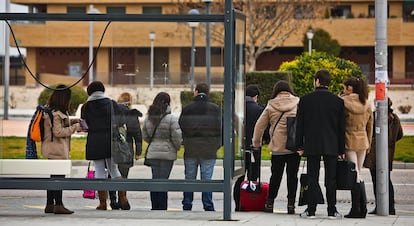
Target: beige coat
(359, 120)
(283, 102)
(62, 130)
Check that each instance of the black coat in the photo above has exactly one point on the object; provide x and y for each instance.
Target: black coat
(253, 112)
(200, 123)
(97, 114)
(320, 128)
(133, 128)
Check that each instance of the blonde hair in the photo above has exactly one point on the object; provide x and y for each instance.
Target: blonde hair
(125, 98)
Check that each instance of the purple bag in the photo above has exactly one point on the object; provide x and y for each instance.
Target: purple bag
(90, 174)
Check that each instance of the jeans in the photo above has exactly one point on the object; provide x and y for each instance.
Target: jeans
(160, 170)
(206, 172)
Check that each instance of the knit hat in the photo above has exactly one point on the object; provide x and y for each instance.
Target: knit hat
(252, 90)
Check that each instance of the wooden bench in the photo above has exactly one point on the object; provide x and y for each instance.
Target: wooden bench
(35, 167)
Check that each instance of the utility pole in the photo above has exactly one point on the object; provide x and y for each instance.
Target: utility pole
(381, 104)
(6, 65)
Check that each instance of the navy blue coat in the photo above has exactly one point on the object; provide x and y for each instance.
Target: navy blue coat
(320, 128)
(253, 112)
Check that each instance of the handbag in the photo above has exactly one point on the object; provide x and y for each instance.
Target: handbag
(345, 174)
(291, 133)
(147, 161)
(304, 190)
(121, 151)
(90, 174)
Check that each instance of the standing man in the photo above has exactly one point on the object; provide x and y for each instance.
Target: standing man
(320, 132)
(253, 112)
(200, 122)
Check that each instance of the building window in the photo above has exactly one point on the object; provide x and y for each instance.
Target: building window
(38, 8)
(303, 12)
(115, 10)
(152, 10)
(341, 11)
(408, 11)
(76, 9)
(371, 11)
(269, 11)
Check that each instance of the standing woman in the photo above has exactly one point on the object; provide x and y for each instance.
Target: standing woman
(134, 139)
(395, 133)
(56, 143)
(165, 142)
(282, 104)
(358, 137)
(97, 112)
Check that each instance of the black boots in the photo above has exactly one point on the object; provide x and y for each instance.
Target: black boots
(115, 205)
(359, 202)
(363, 200)
(291, 206)
(268, 208)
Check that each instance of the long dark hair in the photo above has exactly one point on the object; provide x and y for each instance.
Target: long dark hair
(359, 87)
(281, 86)
(59, 100)
(159, 106)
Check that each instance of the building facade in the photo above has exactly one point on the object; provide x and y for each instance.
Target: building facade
(59, 50)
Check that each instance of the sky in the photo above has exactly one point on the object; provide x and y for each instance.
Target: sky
(14, 8)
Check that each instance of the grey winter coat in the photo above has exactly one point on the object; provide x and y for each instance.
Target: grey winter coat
(167, 138)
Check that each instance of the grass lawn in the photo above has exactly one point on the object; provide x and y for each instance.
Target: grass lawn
(15, 147)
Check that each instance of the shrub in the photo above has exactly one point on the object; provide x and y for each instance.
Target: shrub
(215, 97)
(77, 97)
(304, 67)
(265, 80)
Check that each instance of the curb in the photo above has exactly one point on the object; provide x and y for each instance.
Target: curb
(219, 162)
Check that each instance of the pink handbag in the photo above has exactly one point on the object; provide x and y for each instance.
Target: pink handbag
(90, 174)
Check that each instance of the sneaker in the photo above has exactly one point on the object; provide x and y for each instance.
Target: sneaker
(308, 215)
(335, 215)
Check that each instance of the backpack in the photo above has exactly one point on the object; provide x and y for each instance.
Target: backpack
(36, 127)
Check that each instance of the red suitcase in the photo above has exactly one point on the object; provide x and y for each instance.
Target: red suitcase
(252, 196)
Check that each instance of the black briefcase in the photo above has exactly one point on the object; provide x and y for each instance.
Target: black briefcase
(345, 174)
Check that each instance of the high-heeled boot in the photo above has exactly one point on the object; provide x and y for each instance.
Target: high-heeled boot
(291, 206)
(124, 201)
(103, 196)
(355, 211)
(363, 200)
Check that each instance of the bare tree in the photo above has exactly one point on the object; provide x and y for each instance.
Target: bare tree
(269, 23)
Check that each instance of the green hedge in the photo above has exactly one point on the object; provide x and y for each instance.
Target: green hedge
(214, 96)
(265, 80)
(78, 96)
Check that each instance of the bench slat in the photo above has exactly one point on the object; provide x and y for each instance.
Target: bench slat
(35, 167)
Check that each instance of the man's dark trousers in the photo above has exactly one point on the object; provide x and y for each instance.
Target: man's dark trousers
(330, 180)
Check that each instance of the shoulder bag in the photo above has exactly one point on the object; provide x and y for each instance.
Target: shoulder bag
(121, 151)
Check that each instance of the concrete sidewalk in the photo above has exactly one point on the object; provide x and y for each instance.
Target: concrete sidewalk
(25, 207)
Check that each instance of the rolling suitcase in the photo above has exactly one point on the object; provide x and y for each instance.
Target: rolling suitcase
(253, 194)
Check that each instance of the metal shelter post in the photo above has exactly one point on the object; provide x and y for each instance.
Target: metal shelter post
(381, 103)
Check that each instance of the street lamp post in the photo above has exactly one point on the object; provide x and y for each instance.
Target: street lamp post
(193, 26)
(152, 38)
(208, 50)
(310, 34)
(165, 65)
(92, 10)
